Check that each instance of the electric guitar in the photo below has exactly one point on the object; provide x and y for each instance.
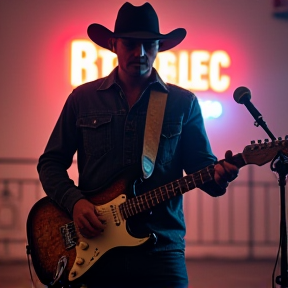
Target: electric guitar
(60, 253)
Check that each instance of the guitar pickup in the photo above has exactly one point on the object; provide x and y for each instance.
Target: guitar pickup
(69, 237)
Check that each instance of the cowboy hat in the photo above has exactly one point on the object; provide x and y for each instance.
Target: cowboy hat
(136, 22)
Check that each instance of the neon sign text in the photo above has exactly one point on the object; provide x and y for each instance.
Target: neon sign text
(197, 70)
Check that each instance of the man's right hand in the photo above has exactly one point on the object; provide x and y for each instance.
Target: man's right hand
(86, 219)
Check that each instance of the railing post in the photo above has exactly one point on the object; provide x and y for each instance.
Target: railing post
(250, 212)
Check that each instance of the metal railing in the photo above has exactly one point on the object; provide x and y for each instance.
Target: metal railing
(246, 218)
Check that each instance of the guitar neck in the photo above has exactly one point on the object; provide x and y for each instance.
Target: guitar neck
(154, 197)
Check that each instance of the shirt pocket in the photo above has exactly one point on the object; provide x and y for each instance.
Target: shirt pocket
(96, 132)
(169, 140)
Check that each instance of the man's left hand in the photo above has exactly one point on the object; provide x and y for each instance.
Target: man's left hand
(225, 171)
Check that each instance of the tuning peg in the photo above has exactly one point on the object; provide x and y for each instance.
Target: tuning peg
(253, 142)
(279, 138)
(266, 140)
(259, 141)
(286, 137)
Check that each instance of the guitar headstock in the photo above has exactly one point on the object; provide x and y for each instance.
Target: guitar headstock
(262, 152)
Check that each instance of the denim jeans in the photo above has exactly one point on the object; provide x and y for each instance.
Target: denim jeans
(135, 268)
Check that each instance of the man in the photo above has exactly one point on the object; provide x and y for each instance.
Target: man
(104, 122)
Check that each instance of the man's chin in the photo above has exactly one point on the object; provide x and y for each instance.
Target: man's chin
(141, 72)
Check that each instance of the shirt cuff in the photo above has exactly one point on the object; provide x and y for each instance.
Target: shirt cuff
(213, 189)
(69, 199)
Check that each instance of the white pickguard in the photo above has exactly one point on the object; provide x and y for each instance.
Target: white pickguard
(114, 235)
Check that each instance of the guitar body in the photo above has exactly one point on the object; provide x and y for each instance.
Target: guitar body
(45, 240)
(52, 235)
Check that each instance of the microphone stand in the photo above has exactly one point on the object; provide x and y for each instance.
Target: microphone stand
(279, 165)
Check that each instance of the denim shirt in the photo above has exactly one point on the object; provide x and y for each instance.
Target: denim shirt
(97, 123)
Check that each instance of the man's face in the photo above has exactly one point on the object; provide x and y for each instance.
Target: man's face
(136, 57)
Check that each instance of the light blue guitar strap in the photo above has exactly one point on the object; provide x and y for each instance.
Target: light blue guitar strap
(153, 127)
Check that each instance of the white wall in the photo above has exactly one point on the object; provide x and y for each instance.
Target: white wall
(35, 38)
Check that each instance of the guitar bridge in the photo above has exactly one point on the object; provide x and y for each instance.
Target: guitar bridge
(69, 235)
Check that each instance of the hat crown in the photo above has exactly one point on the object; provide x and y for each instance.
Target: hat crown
(132, 18)
(135, 22)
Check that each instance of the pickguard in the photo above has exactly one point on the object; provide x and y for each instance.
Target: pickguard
(88, 251)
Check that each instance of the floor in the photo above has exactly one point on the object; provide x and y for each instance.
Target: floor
(202, 273)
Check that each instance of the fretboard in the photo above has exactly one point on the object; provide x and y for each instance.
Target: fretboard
(154, 197)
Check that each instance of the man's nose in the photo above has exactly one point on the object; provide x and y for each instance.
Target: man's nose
(140, 49)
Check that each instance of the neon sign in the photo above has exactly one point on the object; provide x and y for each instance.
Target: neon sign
(197, 70)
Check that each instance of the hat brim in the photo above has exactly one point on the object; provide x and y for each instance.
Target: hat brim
(101, 35)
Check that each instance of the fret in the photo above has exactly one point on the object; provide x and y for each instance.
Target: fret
(194, 183)
(187, 184)
(178, 191)
(165, 191)
(129, 212)
(171, 190)
(176, 187)
(168, 190)
(124, 205)
(156, 195)
(151, 199)
(130, 207)
(137, 200)
(121, 211)
(179, 186)
(201, 177)
(126, 209)
(209, 173)
(183, 184)
(142, 202)
(146, 200)
(134, 206)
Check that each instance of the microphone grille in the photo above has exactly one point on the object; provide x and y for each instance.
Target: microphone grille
(241, 94)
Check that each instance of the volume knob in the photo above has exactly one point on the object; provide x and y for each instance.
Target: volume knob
(79, 261)
(83, 245)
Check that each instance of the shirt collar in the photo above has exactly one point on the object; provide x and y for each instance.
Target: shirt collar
(155, 81)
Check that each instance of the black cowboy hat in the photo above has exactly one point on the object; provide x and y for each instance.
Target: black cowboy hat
(136, 22)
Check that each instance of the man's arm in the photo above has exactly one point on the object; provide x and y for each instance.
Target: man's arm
(57, 158)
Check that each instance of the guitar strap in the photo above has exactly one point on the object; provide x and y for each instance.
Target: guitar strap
(153, 127)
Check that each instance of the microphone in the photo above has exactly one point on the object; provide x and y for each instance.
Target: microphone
(242, 95)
